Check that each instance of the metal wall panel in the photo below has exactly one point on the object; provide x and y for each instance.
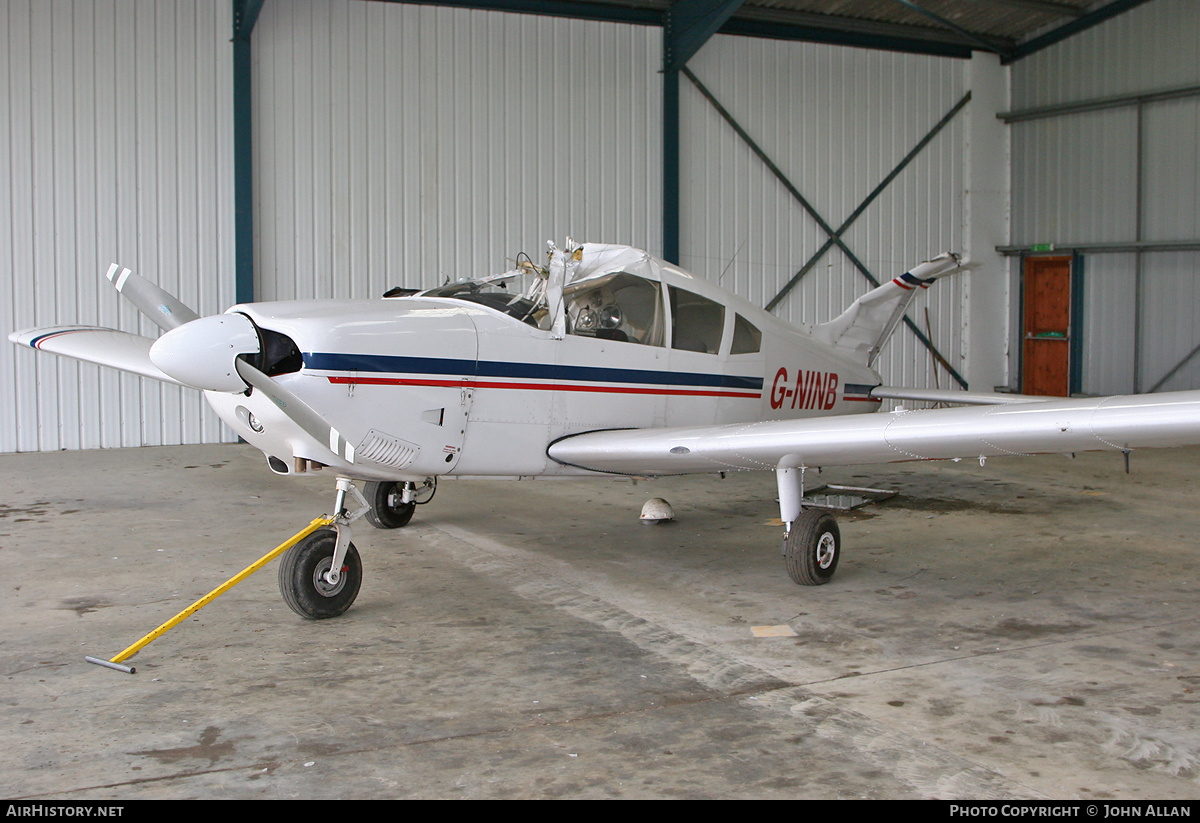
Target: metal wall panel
(1075, 178)
(1076, 181)
(836, 121)
(403, 145)
(1150, 47)
(115, 126)
(1171, 319)
(1171, 170)
(1109, 286)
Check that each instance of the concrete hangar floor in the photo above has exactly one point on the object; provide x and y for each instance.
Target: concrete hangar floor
(1026, 629)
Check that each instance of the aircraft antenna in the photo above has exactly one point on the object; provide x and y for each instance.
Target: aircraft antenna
(730, 263)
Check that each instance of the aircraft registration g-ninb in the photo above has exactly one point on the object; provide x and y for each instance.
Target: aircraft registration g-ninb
(606, 361)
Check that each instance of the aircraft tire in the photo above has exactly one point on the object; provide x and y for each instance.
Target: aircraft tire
(300, 580)
(813, 548)
(382, 515)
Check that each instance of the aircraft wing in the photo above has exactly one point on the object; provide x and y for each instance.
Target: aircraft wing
(106, 347)
(1063, 426)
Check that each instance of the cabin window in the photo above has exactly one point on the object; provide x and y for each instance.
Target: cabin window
(697, 322)
(747, 339)
(621, 307)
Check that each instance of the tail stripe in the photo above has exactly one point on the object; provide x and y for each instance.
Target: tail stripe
(912, 281)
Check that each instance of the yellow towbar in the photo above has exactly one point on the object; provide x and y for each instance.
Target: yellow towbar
(115, 663)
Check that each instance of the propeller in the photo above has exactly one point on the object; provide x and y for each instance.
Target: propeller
(161, 307)
(214, 354)
(193, 350)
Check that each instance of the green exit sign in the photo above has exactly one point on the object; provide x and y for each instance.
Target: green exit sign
(1039, 247)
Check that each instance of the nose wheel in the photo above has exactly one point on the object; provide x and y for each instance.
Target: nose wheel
(306, 584)
(320, 576)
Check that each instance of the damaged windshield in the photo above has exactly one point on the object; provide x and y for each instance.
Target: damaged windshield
(518, 293)
(620, 306)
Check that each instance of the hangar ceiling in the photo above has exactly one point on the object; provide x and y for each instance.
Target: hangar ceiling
(992, 25)
(1010, 28)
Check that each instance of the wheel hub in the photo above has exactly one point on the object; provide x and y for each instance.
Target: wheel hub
(322, 584)
(826, 550)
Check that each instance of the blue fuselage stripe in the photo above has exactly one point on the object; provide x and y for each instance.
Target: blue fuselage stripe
(390, 364)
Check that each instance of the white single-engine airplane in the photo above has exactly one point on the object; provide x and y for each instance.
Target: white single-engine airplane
(606, 361)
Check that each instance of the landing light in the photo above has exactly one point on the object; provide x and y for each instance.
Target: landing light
(247, 419)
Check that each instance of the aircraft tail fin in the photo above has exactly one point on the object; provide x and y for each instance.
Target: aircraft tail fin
(866, 326)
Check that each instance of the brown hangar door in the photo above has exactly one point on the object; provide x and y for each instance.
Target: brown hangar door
(1046, 353)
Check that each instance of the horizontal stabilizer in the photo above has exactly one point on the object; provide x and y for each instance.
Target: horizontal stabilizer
(1045, 427)
(105, 347)
(957, 398)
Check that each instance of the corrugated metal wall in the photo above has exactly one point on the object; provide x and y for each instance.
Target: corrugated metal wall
(1152, 46)
(836, 121)
(400, 145)
(1075, 181)
(115, 127)
(1074, 178)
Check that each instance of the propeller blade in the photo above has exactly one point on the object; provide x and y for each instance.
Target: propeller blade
(298, 411)
(161, 307)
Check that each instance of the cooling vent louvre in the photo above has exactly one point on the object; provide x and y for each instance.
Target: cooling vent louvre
(386, 450)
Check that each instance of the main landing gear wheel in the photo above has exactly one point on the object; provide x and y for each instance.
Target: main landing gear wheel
(812, 548)
(302, 577)
(387, 512)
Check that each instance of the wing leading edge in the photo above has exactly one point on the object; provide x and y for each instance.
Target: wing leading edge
(1057, 426)
(106, 347)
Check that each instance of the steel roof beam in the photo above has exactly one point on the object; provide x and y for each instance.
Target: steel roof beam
(748, 21)
(756, 21)
(979, 40)
(688, 24)
(576, 9)
(1093, 18)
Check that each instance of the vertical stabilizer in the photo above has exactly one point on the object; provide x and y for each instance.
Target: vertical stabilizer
(866, 326)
